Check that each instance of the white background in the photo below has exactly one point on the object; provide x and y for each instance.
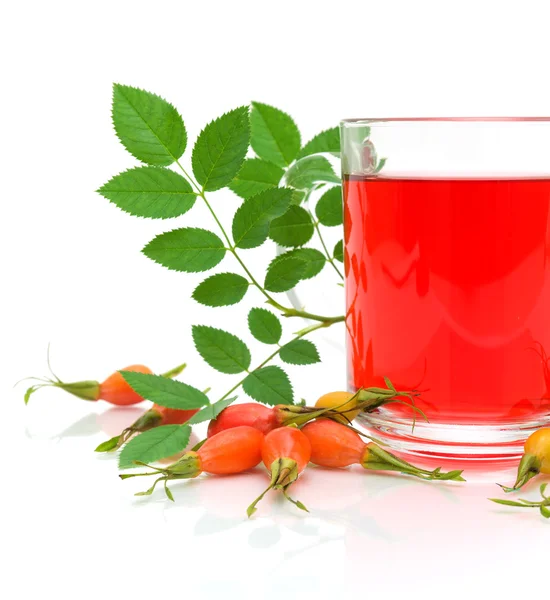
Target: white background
(73, 275)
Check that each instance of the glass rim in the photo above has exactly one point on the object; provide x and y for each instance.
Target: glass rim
(403, 120)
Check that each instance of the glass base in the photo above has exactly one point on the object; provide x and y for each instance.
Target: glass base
(443, 441)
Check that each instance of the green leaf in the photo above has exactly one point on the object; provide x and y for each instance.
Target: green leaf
(264, 326)
(255, 176)
(294, 228)
(338, 252)
(221, 289)
(251, 221)
(210, 412)
(314, 260)
(300, 352)
(283, 274)
(154, 444)
(269, 385)
(308, 171)
(329, 209)
(189, 249)
(545, 511)
(150, 128)
(165, 392)
(274, 135)
(152, 192)
(326, 141)
(30, 391)
(223, 351)
(220, 149)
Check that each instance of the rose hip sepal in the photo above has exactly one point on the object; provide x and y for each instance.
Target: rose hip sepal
(154, 417)
(285, 454)
(228, 452)
(114, 389)
(535, 460)
(543, 505)
(336, 445)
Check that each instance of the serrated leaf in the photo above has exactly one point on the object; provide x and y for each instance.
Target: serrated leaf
(189, 249)
(314, 260)
(269, 385)
(165, 392)
(252, 219)
(154, 444)
(148, 126)
(222, 350)
(274, 135)
(294, 228)
(222, 289)
(326, 141)
(264, 326)
(255, 176)
(152, 192)
(300, 352)
(211, 412)
(329, 209)
(308, 171)
(338, 252)
(283, 274)
(220, 149)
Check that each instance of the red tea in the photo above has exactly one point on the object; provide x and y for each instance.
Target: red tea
(448, 291)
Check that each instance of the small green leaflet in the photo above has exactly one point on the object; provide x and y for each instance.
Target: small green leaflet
(255, 176)
(300, 352)
(326, 141)
(189, 249)
(154, 444)
(269, 385)
(251, 221)
(339, 251)
(283, 274)
(222, 350)
(274, 135)
(222, 289)
(165, 392)
(380, 165)
(150, 128)
(294, 228)
(264, 326)
(152, 192)
(329, 209)
(308, 171)
(211, 412)
(314, 260)
(220, 149)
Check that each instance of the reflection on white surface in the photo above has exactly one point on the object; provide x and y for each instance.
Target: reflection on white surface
(365, 532)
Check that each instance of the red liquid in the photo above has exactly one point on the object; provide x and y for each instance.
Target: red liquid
(448, 291)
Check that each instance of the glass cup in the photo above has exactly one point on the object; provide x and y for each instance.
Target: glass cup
(447, 248)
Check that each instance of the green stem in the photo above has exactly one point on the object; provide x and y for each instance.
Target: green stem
(330, 258)
(298, 335)
(287, 312)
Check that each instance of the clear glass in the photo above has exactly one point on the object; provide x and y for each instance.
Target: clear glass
(447, 247)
